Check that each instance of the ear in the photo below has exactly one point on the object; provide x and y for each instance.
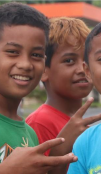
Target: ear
(87, 72)
(44, 77)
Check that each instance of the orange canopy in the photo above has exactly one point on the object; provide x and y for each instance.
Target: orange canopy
(87, 12)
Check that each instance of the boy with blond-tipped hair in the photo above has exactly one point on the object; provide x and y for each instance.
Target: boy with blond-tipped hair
(65, 83)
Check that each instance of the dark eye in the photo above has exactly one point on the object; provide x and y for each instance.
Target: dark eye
(99, 59)
(69, 61)
(38, 55)
(12, 52)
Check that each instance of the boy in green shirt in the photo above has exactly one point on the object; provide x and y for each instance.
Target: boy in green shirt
(23, 38)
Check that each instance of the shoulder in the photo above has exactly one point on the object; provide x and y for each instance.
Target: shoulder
(42, 114)
(90, 133)
(31, 132)
(30, 129)
(86, 141)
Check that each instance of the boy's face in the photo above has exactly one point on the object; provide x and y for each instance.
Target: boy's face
(22, 59)
(93, 71)
(65, 76)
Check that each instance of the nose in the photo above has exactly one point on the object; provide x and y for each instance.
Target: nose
(24, 63)
(80, 69)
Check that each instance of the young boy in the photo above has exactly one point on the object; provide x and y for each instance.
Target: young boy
(23, 38)
(87, 146)
(64, 78)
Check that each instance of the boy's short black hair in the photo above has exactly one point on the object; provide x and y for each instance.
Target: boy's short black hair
(96, 31)
(20, 14)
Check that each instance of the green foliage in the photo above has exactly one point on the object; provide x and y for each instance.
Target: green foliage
(94, 104)
(26, 1)
(32, 1)
(7, 1)
(2, 2)
(94, 2)
(97, 3)
(87, 1)
(39, 94)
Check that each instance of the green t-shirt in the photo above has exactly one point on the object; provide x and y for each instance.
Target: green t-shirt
(15, 134)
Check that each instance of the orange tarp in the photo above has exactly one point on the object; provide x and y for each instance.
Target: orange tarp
(76, 9)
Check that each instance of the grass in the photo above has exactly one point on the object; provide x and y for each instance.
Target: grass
(95, 104)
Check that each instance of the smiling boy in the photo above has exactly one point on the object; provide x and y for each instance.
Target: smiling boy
(21, 66)
(23, 39)
(88, 146)
(64, 78)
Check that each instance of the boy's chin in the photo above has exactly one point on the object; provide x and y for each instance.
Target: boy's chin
(81, 96)
(16, 96)
(20, 96)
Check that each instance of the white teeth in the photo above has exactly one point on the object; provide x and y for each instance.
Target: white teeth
(20, 77)
(82, 81)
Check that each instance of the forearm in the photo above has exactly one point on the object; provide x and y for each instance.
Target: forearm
(70, 136)
(59, 170)
(64, 148)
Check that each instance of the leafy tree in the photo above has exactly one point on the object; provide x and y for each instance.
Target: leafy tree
(6, 1)
(94, 2)
(31, 1)
(97, 3)
(87, 1)
(22, 1)
(45, 1)
(67, 0)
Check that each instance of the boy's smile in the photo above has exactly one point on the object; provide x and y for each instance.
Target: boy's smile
(65, 75)
(22, 58)
(21, 80)
(81, 82)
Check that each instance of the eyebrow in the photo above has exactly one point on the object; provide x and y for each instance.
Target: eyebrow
(39, 48)
(20, 46)
(70, 54)
(97, 52)
(14, 44)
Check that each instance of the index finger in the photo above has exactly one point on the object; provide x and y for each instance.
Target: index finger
(42, 148)
(92, 119)
(84, 108)
(58, 160)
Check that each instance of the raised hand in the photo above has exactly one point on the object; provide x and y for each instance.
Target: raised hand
(31, 160)
(80, 124)
(76, 126)
(71, 131)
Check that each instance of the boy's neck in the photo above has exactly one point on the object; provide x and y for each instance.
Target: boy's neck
(67, 106)
(8, 108)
